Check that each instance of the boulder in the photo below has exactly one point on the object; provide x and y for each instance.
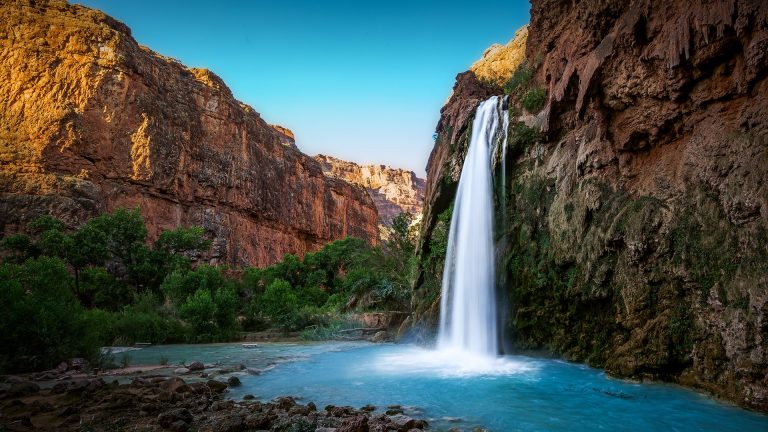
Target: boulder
(216, 386)
(354, 424)
(196, 366)
(23, 388)
(169, 417)
(175, 385)
(380, 336)
(233, 381)
(402, 422)
(181, 371)
(258, 421)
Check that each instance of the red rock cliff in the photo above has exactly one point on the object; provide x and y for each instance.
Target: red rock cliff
(91, 121)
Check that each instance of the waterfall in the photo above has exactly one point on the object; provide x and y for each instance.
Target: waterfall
(468, 303)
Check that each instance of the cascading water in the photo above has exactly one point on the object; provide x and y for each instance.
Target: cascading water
(468, 304)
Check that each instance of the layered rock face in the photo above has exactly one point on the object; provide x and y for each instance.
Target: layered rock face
(90, 121)
(393, 190)
(635, 235)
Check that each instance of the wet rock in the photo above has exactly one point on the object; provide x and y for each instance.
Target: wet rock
(181, 371)
(171, 416)
(258, 421)
(380, 336)
(402, 422)
(62, 367)
(233, 381)
(195, 366)
(222, 405)
(216, 386)
(175, 385)
(354, 424)
(230, 423)
(285, 402)
(249, 397)
(22, 388)
(394, 411)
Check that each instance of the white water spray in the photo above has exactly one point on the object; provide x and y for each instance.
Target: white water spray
(468, 304)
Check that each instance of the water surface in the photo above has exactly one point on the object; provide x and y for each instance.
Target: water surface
(515, 393)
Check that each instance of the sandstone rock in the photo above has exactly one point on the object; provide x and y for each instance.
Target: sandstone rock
(393, 190)
(499, 62)
(114, 124)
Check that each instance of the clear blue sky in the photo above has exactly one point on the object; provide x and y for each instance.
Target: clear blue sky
(359, 80)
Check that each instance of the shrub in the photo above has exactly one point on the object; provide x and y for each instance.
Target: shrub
(41, 322)
(280, 304)
(521, 137)
(533, 99)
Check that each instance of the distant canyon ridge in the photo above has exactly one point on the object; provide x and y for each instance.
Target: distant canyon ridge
(91, 121)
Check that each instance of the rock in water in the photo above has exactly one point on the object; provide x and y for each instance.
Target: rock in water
(380, 336)
(114, 124)
(196, 366)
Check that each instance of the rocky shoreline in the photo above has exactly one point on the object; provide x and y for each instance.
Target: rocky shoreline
(169, 403)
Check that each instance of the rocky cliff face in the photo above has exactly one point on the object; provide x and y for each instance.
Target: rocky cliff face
(91, 121)
(635, 235)
(393, 190)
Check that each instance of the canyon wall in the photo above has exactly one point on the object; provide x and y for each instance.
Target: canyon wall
(91, 121)
(393, 190)
(635, 231)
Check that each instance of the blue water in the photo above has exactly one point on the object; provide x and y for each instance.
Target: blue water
(514, 394)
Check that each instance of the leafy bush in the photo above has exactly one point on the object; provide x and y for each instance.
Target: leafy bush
(533, 99)
(521, 137)
(280, 304)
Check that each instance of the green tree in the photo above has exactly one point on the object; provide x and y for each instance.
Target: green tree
(280, 304)
(40, 319)
(198, 310)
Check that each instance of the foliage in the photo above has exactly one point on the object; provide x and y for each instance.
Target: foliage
(40, 319)
(519, 79)
(65, 291)
(533, 99)
(521, 137)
